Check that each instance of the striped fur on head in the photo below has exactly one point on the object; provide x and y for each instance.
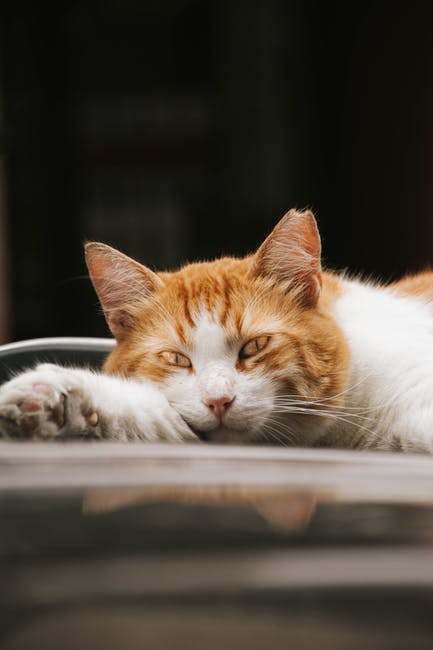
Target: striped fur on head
(245, 349)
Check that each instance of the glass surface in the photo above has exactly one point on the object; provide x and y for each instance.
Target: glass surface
(190, 547)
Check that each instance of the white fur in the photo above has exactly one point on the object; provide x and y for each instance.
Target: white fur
(215, 375)
(389, 400)
(126, 409)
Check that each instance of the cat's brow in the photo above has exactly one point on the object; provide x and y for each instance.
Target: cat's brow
(209, 339)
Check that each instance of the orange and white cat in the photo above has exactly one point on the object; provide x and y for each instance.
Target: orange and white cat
(264, 349)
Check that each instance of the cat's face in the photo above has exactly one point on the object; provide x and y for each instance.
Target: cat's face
(240, 347)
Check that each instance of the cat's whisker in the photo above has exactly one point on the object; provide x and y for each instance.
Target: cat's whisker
(313, 407)
(333, 416)
(320, 401)
(368, 409)
(319, 413)
(286, 438)
(281, 403)
(324, 407)
(295, 437)
(347, 390)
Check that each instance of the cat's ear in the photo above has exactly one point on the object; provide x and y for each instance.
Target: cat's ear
(291, 255)
(120, 283)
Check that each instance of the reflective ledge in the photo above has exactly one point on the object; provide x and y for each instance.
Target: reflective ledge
(327, 474)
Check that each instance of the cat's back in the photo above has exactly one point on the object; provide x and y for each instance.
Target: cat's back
(391, 315)
(389, 329)
(418, 285)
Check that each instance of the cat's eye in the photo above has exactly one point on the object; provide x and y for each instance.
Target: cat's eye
(254, 346)
(175, 359)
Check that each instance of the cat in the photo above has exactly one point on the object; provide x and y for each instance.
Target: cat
(264, 349)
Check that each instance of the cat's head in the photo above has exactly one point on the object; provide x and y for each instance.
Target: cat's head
(244, 349)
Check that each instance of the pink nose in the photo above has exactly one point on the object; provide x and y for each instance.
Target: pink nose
(219, 405)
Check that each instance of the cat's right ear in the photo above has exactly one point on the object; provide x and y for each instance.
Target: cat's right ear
(120, 283)
(291, 256)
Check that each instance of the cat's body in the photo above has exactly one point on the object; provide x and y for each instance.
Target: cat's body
(389, 398)
(261, 349)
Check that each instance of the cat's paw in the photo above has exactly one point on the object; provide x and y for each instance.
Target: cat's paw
(46, 403)
(160, 422)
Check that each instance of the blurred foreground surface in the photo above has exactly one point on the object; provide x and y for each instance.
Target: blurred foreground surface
(109, 546)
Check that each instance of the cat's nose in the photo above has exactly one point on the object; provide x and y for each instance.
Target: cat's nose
(219, 405)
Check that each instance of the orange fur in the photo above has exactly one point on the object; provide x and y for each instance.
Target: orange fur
(420, 284)
(246, 306)
(279, 292)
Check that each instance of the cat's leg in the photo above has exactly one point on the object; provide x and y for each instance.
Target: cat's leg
(52, 402)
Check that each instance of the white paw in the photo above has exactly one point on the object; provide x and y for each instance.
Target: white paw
(47, 402)
(158, 421)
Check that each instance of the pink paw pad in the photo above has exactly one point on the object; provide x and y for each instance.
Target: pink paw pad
(43, 389)
(30, 406)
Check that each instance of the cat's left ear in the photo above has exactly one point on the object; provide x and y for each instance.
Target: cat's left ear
(121, 283)
(291, 256)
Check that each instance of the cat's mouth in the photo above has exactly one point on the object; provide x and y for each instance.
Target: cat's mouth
(220, 434)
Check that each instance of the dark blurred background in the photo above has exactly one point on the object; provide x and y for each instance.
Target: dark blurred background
(176, 129)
